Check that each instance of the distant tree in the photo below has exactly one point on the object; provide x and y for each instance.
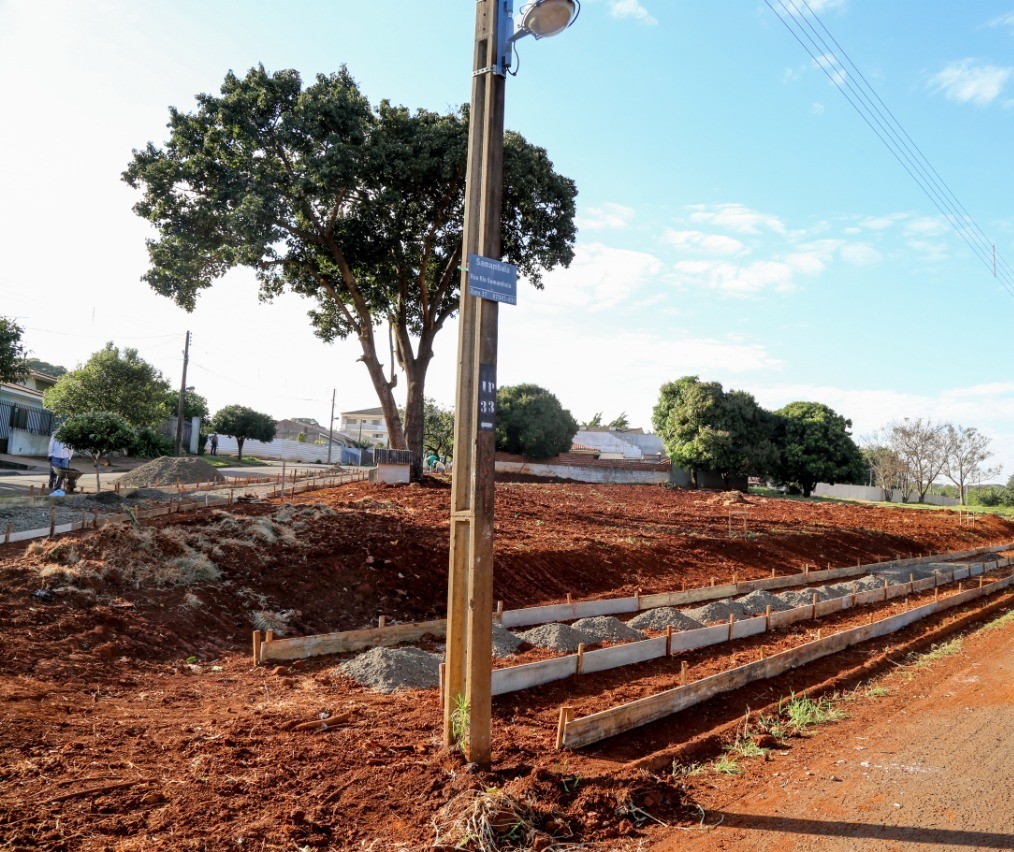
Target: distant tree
(12, 353)
(111, 381)
(45, 367)
(308, 420)
(531, 422)
(356, 207)
(887, 471)
(921, 445)
(96, 433)
(240, 422)
(704, 428)
(596, 421)
(620, 422)
(966, 451)
(815, 445)
(194, 405)
(438, 429)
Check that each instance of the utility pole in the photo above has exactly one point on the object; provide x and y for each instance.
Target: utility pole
(183, 395)
(330, 426)
(468, 669)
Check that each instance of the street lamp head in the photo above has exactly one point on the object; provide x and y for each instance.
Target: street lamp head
(545, 18)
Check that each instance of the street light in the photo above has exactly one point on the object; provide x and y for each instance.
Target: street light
(468, 666)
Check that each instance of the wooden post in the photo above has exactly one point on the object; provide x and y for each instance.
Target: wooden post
(982, 579)
(470, 581)
(258, 637)
(911, 583)
(885, 588)
(382, 621)
(712, 582)
(820, 633)
(7, 533)
(936, 593)
(95, 519)
(762, 652)
(570, 599)
(566, 714)
(52, 521)
(580, 657)
(84, 518)
(767, 617)
(31, 491)
(668, 640)
(732, 624)
(684, 585)
(961, 584)
(683, 672)
(499, 612)
(734, 576)
(814, 604)
(269, 636)
(440, 672)
(772, 572)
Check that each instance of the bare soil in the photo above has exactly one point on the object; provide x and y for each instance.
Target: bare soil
(132, 718)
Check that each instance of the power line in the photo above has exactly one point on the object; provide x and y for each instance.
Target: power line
(863, 98)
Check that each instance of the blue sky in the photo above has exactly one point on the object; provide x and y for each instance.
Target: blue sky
(738, 219)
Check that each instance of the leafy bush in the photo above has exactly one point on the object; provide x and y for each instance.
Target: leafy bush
(992, 496)
(531, 422)
(149, 444)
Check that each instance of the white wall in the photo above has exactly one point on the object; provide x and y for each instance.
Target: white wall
(278, 449)
(609, 475)
(865, 492)
(22, 443)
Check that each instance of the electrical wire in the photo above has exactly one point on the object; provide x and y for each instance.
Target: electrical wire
(863, 98)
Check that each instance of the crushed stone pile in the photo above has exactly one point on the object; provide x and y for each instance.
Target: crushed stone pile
(757, 602)
(557, 637)
(716, 611)
(605, 628)
(505, 643)
(662, 617)
(391, 669)
(167, 470)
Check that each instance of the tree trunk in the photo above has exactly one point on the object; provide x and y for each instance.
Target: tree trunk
(415, 372)
(239, 448)
(384, 389)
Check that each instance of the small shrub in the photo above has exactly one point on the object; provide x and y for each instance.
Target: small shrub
(726, 765)
(805, 712)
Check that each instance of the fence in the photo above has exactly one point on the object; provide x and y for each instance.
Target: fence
(283, 450)
(865, 492)
(27, 418)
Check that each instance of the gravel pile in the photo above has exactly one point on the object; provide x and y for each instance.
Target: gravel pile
(663, 617)
(716, 611)
(391, 669)
(557, 637)
(167, 470)
(505, 643)
(605, 628)
(757, 602)
(26, 516)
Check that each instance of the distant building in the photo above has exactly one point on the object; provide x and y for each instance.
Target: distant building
(366, 424)
(25, 425)
(628, 444)
(309, 433)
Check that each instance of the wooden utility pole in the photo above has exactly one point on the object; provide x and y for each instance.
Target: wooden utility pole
(468, 674)
(183, 395)
(330, 425)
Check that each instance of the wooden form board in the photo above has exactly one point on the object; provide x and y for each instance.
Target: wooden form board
(607, 723)
(568, 612)
(529, 675)
(350, 640)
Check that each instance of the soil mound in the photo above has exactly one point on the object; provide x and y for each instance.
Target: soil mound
(731, 498)
(391, 669)
(605, 628)
(167, 470)
(663, 617)
(557, 637)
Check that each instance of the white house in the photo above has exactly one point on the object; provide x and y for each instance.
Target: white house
(366, 424)
(25, 425)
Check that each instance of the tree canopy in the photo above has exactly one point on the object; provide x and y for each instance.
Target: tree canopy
(438, 429)
(357, 208)
(531, 422)
(240, 422)
(815, 445)
(704, 427)
(194, 405)
(12, 353)
(96, 433)
(45, 367)
(113, 381)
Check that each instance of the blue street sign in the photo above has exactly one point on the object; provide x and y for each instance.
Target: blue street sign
(492, 279)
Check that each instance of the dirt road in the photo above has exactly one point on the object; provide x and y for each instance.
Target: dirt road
(925, 767)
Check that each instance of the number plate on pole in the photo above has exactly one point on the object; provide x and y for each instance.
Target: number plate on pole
(492, 279)
(487, 398)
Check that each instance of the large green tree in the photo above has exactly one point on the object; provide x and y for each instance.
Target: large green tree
(12, 353)
(704, 427)
(531, 422)
(194, 405)
(815, 445)
(240, 422)
(357, 208)
(110, 380)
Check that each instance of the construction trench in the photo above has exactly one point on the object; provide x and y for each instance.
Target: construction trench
(157, 684)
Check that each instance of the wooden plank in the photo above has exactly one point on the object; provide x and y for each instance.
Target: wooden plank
(790, 616)
(687, 640)
(606, 723)
(298, 648)
(749, 627)
(623, 655)
(533, 674)
(568, 612)
(832, 605)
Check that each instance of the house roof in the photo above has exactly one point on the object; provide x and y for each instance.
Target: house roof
(377, 412)
(21, 389)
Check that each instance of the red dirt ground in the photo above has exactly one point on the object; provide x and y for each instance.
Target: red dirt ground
(96, 689)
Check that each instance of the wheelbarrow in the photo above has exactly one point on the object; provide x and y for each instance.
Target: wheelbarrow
(70, 477)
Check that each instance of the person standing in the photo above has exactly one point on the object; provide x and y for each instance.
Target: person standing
(213, 440)
(59, 459)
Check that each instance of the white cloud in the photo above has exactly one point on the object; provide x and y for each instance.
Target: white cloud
(833, 68)
(860, 254)
(743, 280)
(816, 108)
(719, 244)
(968, 82)
(1006, 20)
(736, 217)
(631, 9)
(926, 226)
(608, 216)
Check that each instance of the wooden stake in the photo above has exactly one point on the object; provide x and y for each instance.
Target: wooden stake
(31, 490)
(734, 575)
(911, 583)
(820, 633)
(960, 584)
(84, 518)
(499, 611)
(382, 621)
(7, 533)
(684, 585)
(580, 657)
(95, 519)
(772, 572)
(712, 581)
(52, 521)
(566, 714)
(668, 640)
(936, 593)
(732, 624)
(885, 588)
(683, 672)
(637, 600)
(762, 652)
(982, 579)
(570, 598)
(814, 604)
(767, 617)
(440, 671)
(258, 637)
